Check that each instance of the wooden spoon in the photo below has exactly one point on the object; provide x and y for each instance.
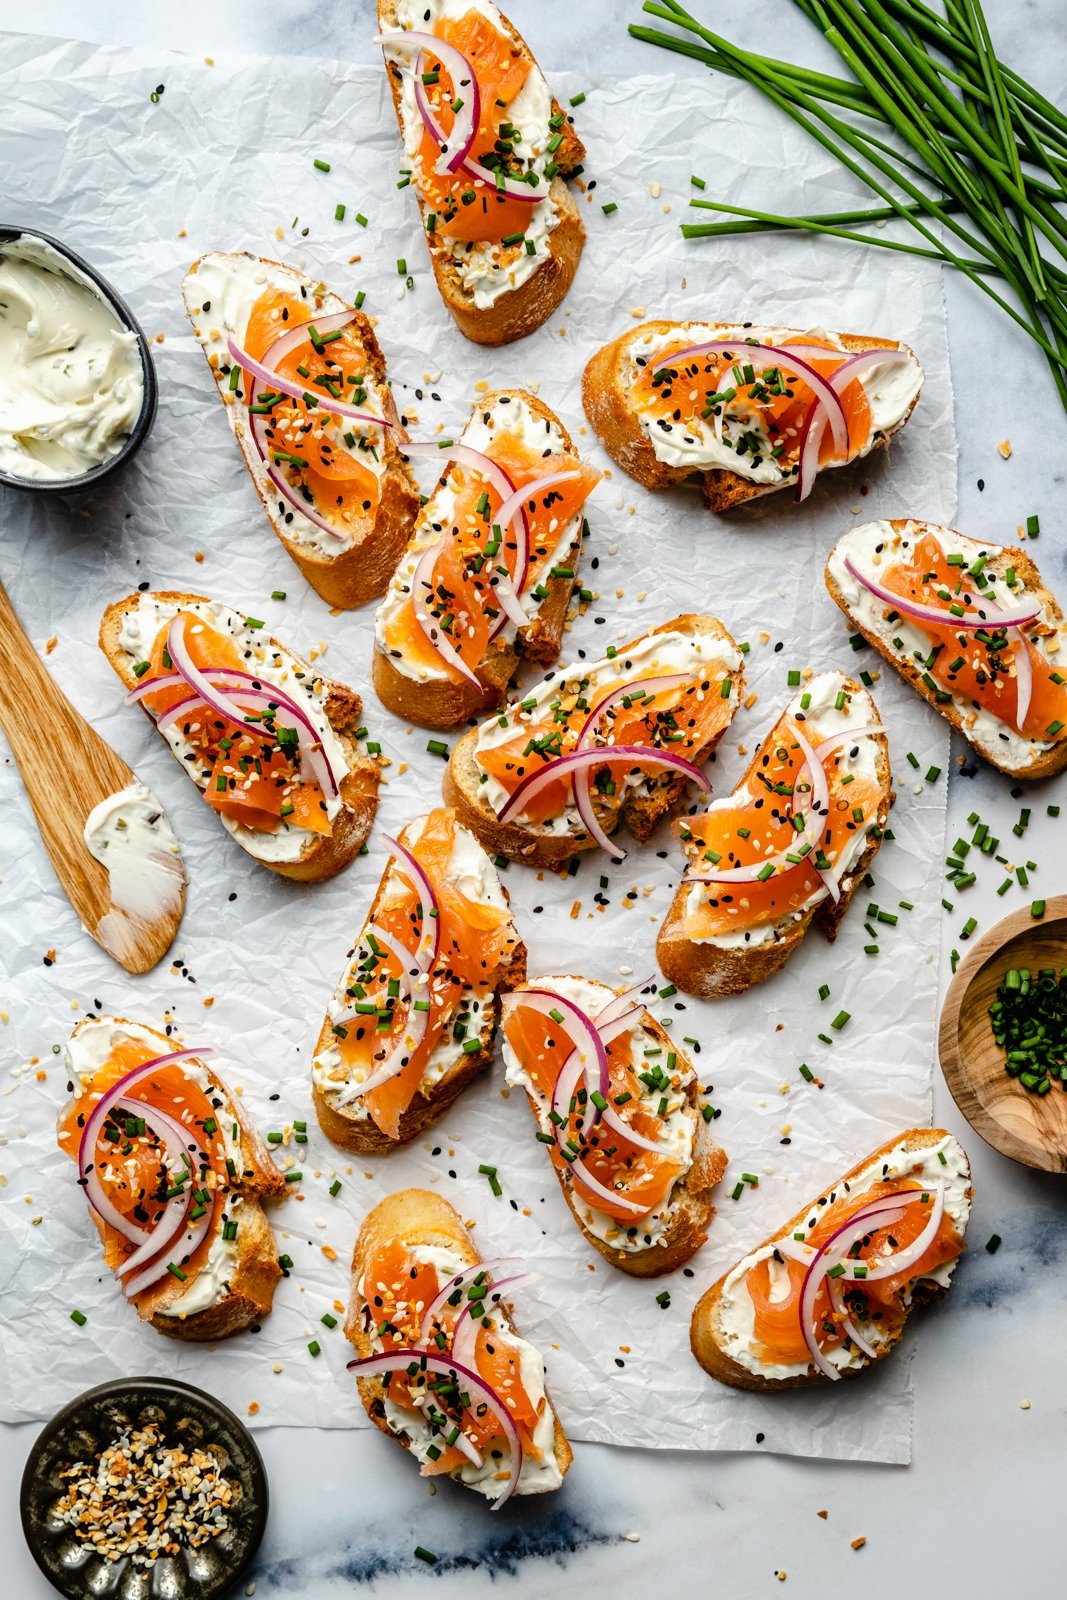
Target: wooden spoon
(68, 770)
(1027, 1127)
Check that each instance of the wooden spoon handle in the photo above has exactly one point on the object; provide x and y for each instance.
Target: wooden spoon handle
(68, 769)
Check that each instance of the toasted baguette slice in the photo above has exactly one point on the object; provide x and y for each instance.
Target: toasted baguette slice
(650, 1245)
(349, 1121)
(127, 632)
(497, 293)
(714, 966)
(630, 440)
(251, 1272)
(352, 566)
(872, 548)
(718, 1341)
(691, 643)
(418, 1219)
(429, 695)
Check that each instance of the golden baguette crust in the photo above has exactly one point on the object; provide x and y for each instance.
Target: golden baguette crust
(323, 856)
(605, 395)
(1049, 762)
(417, 1217)
(251, 1288)
(443, 703)
(694, 1208)
(343, 1125)
(523, 310)
(361, 570)
(711, 971)
(703, 1330)
(641, 811)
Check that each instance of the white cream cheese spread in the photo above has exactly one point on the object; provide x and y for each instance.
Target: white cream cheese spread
(697, 444)
(873, 548)
(128, 833)
(473, 874)
(486, 268)
(816, 711)
(71, 378)
(735, 1314)
(678, 1130)
(510, 413)
(140, 627)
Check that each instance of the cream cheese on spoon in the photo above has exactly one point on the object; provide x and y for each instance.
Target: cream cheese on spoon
(71, 379)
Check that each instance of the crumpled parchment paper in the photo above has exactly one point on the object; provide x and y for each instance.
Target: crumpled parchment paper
(225, 160)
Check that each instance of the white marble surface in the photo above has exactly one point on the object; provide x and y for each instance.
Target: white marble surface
(347, 1510)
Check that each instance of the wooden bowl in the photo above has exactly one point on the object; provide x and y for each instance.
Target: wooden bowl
(1027, 1127)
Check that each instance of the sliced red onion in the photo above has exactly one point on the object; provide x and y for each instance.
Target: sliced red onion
(820, 807)
(846, 736)
(518, 501)
(310, 740)
(1024, 677)
(853, 366)
(412, 1031)
(879, 1212)
(464, 1345)
(158, 1268)
(494, 474)
(176, 1139)
(848, 1327)
(993, 615)
(901, 1260)
(465, 87)
(583, 760)
(287, 492)
(458, 1280)
(295, 391)
(588, 1045)
(622, 1002)
(426, 954)
(421, 587)
(651, 686)
(811, 437)
(584, 805)
(744, 353)
(398, 1361)
(91, 1132)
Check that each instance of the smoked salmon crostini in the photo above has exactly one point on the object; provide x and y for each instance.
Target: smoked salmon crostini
(486, 150)
(440, 1366)
(970, 626)
(617, 1103)
(599, 743)
(788, 847)
(272, 744)
(750, 409)
(174, 1175)
(488, 575)
(829, 1294)
(307, 397)
(413, 1019)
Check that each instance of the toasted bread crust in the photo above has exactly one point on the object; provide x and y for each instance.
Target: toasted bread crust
(523, 310)
(714, 1359)
(361, 570)
(711, 971)
(640, 812)
(605, 396)
(418, 1217)
(341, 1124)
(1050, 762)
(323, 856)
(251, 1288)
(692, 1199)
(443, 703)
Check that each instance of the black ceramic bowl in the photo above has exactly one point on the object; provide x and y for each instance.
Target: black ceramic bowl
(143, 426)
(93, 1421)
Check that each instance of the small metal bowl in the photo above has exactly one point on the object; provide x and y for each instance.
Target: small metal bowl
(143, 426)
(91, 1422)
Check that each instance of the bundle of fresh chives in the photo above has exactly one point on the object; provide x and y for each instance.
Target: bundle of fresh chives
(978, 168)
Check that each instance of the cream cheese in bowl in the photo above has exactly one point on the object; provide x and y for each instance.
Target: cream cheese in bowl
(76, 386)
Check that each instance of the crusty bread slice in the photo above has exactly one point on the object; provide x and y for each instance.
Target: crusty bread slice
(606, 397)
(642, 809)
(445, 702)
(250, 1290)
(519, 311)
(344, 1125)
(691, 1202)
(705, 1329)
(1043, 764)
(417, 1217)
(361, 568)
(322, 856)
(712, 971)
